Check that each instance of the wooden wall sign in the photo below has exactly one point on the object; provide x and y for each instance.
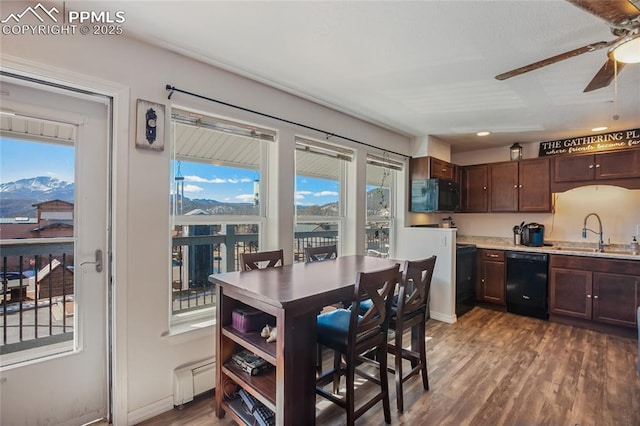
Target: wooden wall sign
(624, 139)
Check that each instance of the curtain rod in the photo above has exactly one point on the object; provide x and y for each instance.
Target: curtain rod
(328, 135)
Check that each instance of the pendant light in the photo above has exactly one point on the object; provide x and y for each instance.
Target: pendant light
(515, 152)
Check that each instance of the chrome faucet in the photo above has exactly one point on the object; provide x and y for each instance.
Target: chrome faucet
(585, 229)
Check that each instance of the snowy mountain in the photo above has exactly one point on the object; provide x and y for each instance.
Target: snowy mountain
(18, 197)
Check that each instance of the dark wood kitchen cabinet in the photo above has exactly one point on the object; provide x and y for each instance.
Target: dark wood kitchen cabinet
(520, 186)
(491, 280)
(475, 188)
(534, 191)
(621, 168)
(431, 167)
(596, 290)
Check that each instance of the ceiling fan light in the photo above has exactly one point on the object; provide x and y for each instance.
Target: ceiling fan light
(627, 50)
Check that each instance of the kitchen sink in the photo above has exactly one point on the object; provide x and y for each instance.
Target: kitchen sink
(580, 249)
(592, 250)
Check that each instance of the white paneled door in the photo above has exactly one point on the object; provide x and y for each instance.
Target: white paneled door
(55, 148)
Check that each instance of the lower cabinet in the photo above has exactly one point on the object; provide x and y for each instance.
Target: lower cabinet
(491, 280)
(595, 289)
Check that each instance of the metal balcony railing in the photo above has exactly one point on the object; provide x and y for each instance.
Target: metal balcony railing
(37, 282)
(36, 293)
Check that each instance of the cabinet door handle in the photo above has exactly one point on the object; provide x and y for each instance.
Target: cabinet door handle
(591, 166)
(444, 170)
(484, 187)
(515, 186)
(482, 280)
(588, 296)
(595, 297)
(492, 255)
(597, 166)
(519, 186)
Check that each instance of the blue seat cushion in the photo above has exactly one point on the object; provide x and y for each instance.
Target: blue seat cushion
(333, 328)
(366, 304)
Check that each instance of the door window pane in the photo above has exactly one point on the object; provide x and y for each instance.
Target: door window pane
(37, 198)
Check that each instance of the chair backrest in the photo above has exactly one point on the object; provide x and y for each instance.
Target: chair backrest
(415, 286)
(250, 261)
(315, 254)
(377, 286)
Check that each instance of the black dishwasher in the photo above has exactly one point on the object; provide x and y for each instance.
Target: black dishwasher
(527, 284)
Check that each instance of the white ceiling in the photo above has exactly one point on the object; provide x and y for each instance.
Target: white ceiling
(421, 68)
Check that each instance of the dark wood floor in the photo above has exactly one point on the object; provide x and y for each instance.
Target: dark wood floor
(496, 368)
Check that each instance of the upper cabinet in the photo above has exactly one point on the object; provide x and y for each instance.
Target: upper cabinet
(514, 186)
(520, 186)
(475, 188)
(534, 191)
(621, 168)
(431, 167)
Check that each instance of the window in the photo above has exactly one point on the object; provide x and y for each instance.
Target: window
(380, 202)
(37, 198)
(320, 170)
(216, 207)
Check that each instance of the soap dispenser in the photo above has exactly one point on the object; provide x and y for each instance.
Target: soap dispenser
(634, 246)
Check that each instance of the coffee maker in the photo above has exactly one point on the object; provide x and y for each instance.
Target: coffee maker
(533, 235)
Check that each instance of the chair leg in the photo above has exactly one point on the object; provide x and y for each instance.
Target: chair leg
(384, 382)
(337, 360)
(350, 391)
(423, 358)
(319, 360)
(397, 355)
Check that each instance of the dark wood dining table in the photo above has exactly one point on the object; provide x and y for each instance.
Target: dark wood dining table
(294, 295)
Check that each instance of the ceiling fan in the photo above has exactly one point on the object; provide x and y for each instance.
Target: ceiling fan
(623, 17)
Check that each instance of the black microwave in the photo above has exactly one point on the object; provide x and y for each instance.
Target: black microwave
(434, 195)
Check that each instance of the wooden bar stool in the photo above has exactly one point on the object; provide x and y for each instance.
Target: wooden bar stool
(351, 335)
(410, 313)
(261, 259)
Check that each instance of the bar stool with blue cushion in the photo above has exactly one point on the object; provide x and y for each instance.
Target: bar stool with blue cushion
(320, 254)
(350, 335)
(260, 260)
(410, 313)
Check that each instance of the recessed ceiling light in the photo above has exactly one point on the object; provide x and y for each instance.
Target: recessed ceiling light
(599, 129)
(483, 133)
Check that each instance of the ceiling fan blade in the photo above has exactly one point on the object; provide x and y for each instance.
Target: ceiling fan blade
(553, 59)
(618, 13)
(604, 76)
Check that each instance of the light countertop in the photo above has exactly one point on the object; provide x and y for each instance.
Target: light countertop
(612, 251)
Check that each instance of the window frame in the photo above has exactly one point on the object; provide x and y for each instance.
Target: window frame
(394, 167)
(194, 318)
(344, 156)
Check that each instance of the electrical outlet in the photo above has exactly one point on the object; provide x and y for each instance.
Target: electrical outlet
(443, 241)
(638, 230)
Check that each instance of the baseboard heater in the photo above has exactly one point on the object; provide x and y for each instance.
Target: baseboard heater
(193, 379)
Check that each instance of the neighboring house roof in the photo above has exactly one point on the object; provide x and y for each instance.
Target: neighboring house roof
(196, 212)
(50, 267)
(307, 227)
(55, 225)
(44, 203)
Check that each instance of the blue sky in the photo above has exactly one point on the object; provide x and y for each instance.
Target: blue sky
(235, 185)
(21, 160)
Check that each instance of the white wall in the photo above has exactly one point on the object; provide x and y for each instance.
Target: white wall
(146, 353)
(420, 243)
(619, 208)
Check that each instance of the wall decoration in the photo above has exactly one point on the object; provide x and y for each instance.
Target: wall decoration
(150, 125)
(623, 139)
